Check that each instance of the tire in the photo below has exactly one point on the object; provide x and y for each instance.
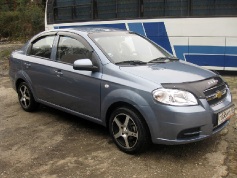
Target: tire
(26, 98)
(128, 130)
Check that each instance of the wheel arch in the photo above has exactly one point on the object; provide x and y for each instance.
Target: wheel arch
(18, 82)
(120, 104)
(22, 76)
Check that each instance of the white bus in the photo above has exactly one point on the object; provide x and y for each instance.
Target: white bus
(203, 32)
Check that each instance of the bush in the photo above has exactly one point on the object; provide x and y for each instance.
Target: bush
(8, 23)
(22, 23)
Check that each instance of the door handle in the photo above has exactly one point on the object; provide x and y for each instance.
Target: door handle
(27, 65)
(58, 72)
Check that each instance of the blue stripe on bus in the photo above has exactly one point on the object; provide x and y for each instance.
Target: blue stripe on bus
(63, 27)
(206, 60)
(231, 50)
(156, 31)
(117, 25)
(180, 50)
(136, 27)
(230, 61)
(213, 60)
(207, 49)
(218, 55)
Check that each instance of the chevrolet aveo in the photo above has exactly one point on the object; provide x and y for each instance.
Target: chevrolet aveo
(123, 81)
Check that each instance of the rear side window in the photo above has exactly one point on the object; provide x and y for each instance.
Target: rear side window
(70, 50)
(42, 47)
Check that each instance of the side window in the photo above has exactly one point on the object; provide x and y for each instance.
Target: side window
(70, 49)
(42, 47)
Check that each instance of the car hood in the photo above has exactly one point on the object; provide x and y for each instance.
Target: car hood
(172, 72)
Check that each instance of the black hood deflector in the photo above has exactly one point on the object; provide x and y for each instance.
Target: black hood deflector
(197, 88)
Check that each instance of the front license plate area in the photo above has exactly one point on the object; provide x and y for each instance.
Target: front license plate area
(225, 115)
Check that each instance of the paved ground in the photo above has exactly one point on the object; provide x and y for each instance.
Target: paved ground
(50, 143)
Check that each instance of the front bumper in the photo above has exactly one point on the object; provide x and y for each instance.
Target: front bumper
(179, 125)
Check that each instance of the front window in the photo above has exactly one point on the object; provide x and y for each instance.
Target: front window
(70, 50)
(124, 46)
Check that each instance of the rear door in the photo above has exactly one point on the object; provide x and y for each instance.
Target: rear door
(38, 65)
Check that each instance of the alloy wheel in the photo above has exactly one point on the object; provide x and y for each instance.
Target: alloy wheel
(24, 96)
(125, 131)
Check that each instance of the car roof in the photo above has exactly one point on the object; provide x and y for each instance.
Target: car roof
(84, 31)
(87, 30)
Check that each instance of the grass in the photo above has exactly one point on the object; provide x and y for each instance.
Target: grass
(5, 54)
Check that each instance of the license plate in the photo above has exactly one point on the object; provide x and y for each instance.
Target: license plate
(226, 114)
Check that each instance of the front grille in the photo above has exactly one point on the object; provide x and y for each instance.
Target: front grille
(216, 94)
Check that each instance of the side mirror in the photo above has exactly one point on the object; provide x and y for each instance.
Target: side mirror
(84, 64)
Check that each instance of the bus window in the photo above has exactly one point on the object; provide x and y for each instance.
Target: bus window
(63, 10)
(153, 8)
(64, 13)
(176, 8)
(106, 9)
(202, 8)
(83, 9)
(128, 9)
(72, 9)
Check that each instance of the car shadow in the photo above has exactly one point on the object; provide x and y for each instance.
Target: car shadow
(75, 122)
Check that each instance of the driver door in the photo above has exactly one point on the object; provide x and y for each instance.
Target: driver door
(78, 91)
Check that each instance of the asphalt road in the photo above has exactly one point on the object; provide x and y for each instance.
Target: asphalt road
(51, 143)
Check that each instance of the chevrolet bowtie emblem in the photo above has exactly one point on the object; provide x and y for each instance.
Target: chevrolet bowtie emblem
(218, 94)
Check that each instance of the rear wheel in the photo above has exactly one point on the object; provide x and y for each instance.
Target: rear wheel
(26, 98)
(128, 130)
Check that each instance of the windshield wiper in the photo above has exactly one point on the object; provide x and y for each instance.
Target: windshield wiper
(163, 60)
(133, 62)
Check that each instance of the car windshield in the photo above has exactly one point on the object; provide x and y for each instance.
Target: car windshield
(128, 48)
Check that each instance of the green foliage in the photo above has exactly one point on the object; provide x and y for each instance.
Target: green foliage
(4, 55)
(25, 21)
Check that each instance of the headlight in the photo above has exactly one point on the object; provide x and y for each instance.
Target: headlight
(174, 97)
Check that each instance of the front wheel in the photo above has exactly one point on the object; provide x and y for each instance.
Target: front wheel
(128, 130)
(26, 98)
